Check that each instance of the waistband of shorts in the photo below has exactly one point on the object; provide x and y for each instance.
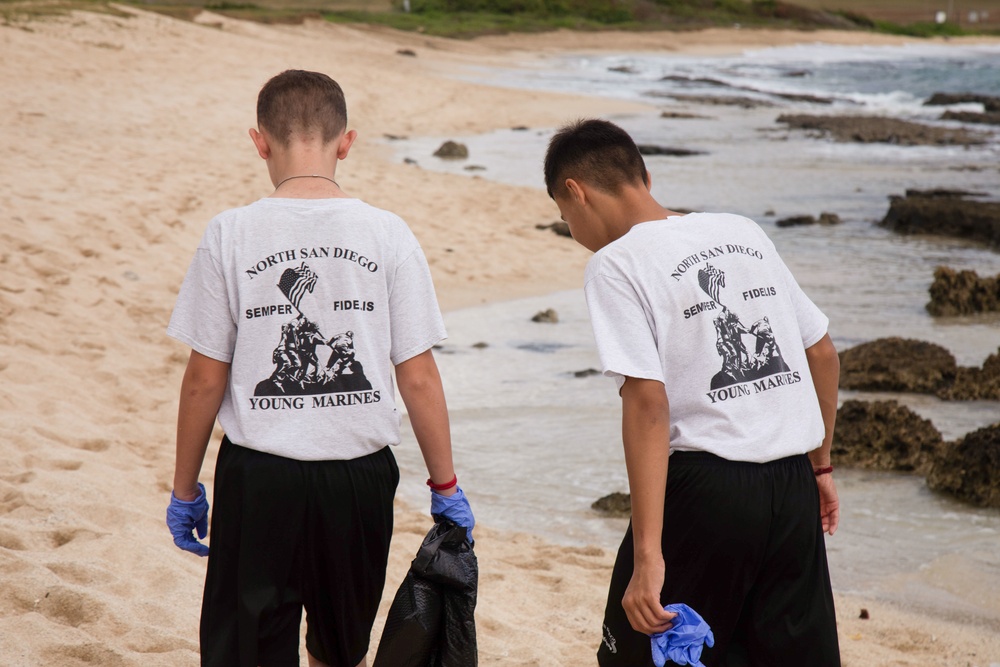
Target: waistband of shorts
(709, 459)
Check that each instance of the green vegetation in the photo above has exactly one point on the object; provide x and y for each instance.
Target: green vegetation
(22, 12)
(467, 18)
(457, 18)
(922, 29)
(461, 18)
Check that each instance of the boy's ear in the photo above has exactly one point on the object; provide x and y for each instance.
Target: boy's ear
(260, 142)
(649, 181)
(345, 144)
(576, 191)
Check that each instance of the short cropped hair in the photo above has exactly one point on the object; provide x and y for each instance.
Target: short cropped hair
(300, 102)
(594, 151)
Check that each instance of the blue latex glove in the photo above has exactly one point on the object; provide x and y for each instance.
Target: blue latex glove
(683, 642)
(454, 508)
(185, 516)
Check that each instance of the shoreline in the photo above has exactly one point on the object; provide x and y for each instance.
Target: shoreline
(125, 136)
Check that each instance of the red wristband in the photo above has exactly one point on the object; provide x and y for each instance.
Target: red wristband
(442, 487)
(823, 471)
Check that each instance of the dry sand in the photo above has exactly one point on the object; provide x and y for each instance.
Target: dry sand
(122, 136)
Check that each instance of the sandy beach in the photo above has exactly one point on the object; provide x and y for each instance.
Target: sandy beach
(124, 134)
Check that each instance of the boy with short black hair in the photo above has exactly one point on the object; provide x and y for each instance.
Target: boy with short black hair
(298, 308)
(725, 367)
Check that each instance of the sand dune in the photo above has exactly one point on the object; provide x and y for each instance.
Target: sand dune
(123, 135)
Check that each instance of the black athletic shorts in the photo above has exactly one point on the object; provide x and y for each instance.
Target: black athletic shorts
(289, 534)
(743, 546)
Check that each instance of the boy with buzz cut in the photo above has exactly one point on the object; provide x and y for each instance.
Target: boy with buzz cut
(726, 372)
(298, 308)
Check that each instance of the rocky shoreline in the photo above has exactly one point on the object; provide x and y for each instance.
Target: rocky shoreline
(914, 366)
(878, 129)
(884, 435)
(955, 293)
(954, 213)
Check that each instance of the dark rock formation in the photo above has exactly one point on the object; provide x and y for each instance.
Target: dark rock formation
(796, 220)
(962, 293)
(874, 129)
(586, 372)
(614, 504)
(452, 150)
(652, 149)
(559, 227)
(680, 115)
(793, 97)
(897, 364)
(967, 469)
(988, 118)
(406, 52)
(729, 101)
(883, 435)
(989, 102)
(945, 213)
(975, 384)
(798, 97)
(548, 316)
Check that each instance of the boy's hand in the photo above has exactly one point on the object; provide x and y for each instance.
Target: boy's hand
(455, 508)
(829, 503)
(642, 598)
(185, 516)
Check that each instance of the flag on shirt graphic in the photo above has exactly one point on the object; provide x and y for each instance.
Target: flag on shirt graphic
(296, 282)
(739, 364)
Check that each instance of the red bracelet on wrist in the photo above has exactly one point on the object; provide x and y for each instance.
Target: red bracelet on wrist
(442, 487)
(823, 471)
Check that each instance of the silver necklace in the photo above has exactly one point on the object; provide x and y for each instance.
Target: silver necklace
(306, 176)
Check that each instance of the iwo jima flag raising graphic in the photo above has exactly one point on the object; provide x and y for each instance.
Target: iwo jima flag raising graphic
(738, 363)
(306, 361)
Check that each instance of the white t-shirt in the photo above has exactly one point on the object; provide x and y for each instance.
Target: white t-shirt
(312, 301)
(704, 304)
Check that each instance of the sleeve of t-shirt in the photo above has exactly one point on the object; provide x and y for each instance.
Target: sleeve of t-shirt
(813, 324)
(414, 317)
(202, 318)
(625, 341)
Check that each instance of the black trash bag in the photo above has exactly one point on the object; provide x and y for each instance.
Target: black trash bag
(431, 622)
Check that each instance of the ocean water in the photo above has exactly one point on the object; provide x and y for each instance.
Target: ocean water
(536, 443)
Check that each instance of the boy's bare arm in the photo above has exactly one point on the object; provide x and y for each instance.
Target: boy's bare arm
(420, 386)
(824, 365)
(202, 390)
(646, 436)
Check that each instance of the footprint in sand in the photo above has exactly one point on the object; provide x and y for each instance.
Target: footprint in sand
(80, 574)
(84, 654)
(11, 498)
(68, 606)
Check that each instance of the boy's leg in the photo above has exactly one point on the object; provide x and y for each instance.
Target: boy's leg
(789, 617)
(716, 522)
(348, 535)
(252, 609)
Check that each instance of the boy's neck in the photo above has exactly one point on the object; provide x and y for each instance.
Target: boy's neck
(308, 186)
(304, 169)
(633, 209)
